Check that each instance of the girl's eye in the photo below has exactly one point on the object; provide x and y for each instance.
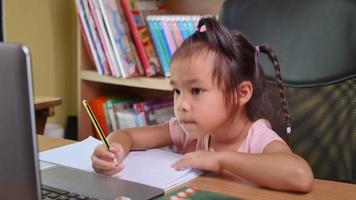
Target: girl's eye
(196, 91)
(176, 91)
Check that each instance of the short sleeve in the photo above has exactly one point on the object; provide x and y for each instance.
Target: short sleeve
(259, 136)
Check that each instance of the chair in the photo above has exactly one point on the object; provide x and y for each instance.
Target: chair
(315, 42)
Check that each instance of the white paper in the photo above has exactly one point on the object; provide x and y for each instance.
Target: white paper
(46, 165)
(151, 167)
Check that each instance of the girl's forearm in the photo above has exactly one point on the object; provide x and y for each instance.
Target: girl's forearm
(282, 171)
(123, 137)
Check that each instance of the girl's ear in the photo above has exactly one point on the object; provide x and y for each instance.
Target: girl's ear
(244, 92)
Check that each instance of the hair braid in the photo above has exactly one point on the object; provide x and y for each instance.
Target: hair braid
(287, 118)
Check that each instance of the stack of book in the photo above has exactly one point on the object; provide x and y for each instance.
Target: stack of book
(168, 33)
(130, 111)
(123, 40)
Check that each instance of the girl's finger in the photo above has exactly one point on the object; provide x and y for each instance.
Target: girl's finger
(118, 152)
(101, 164)
(182, 164)
(103, 153)
(184, 157)
(114, 171)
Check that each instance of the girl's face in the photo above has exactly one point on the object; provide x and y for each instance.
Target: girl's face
(198, 102)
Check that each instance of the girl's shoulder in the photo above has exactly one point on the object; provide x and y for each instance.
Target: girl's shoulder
(259, 135)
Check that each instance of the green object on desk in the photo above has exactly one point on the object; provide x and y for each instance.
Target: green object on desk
(197, 194)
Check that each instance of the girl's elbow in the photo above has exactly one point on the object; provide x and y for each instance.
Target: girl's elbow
(302, 180)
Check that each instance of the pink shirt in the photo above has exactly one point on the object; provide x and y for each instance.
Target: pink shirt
(259, 135)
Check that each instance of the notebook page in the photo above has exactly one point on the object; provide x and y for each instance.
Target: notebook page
(151, 167)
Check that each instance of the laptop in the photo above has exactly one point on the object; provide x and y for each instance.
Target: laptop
(20, 176)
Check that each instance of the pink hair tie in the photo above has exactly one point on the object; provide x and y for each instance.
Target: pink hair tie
(201, 29)
(257, 49)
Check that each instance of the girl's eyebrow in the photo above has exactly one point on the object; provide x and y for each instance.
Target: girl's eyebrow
(191, 81)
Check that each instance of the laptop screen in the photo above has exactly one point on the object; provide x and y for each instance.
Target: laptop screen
(19, 177)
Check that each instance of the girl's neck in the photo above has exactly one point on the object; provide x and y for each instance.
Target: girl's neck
(231, 133)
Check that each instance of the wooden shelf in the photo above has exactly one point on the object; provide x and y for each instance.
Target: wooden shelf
(157, 83)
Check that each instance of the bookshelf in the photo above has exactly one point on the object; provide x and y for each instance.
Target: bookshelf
(91, 84)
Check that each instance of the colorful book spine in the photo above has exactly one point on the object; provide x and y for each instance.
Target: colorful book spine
(175, 31)
(159, 111)
(111, 69)
(88, 37)
(164, 20)
(141, 38)
(97, 43)
(159, 44)
(127, 118)
(183, 26)
(179, 26)
(168, 33)
(119, 38)
(115, 106)
(191, 25)
(140, 114)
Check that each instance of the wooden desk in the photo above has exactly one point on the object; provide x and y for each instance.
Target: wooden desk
(321, 189)
(44, 107)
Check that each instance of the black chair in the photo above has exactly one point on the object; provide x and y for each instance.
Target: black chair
(315, 42)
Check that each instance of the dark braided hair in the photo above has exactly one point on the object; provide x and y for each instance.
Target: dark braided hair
(236, 60)
(287, 119)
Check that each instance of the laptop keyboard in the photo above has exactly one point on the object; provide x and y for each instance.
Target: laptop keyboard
(50, 193)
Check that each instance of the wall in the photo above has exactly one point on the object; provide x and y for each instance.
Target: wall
(48, 28)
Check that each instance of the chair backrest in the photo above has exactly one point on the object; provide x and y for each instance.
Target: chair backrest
(315, 42)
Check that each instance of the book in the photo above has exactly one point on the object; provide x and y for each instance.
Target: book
(116, 105)
(152, 112)
(88, 37)
(123, 111)
(104, 39)
(150, 167)
(141, 37)
(175, 30)
(123, 47)
(160, 42)
(127, 118)
(158, 111)
(97, 43)
(138, 108)
(168, 33)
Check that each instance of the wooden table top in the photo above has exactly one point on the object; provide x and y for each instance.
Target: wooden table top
(322, 189)
(42, 102)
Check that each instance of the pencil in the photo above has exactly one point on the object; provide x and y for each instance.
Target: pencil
(95, 123)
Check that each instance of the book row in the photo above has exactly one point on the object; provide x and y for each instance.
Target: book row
(123, 40)
(168, 32)
(129, 111)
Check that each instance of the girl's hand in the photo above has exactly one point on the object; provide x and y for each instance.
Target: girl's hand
(204, 160)
(108, 162)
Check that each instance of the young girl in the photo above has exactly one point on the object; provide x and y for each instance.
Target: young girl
(219, 124)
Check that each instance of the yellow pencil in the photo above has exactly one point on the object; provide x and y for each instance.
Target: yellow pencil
(95, 123)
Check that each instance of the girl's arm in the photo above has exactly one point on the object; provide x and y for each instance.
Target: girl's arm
(142, 138)
(277, 167)
(122, 141)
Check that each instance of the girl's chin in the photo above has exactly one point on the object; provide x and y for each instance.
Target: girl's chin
(193, 134)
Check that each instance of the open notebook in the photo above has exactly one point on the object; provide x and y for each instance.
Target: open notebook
(150, 167)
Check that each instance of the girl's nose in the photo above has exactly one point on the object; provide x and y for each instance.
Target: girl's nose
(182, 104)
